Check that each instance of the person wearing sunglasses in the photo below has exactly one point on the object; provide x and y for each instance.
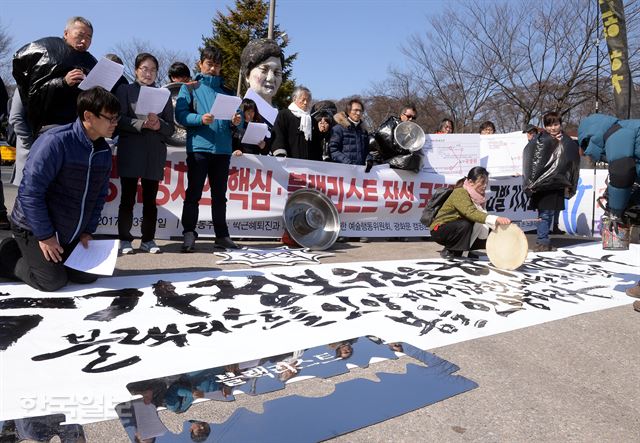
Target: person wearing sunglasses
(409, 113)
(63, 190)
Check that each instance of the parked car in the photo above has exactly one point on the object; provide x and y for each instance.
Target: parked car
(7, 153)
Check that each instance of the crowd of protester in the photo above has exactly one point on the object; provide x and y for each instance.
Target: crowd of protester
(64, 182)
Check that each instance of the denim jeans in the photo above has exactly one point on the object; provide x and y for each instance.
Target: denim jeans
(200, 166)
(544, 225)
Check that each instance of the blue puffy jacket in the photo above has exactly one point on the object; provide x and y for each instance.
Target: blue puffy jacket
(621, 150)
(64, 186)
(195, 100)
(349, 143)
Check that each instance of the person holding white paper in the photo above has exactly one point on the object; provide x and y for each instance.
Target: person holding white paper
(48, 72)
(64, 186)
(250, 112)
(142, 153)
(208, 148)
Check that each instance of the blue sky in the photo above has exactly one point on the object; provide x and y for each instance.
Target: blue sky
(343, 45)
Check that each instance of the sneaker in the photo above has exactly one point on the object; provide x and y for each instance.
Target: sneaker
(544, 248)
(634, 291)
(150, 247)
(126, 247)
(189, 242)
(226, 242)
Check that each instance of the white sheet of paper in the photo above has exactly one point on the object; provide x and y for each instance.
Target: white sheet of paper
(255, 133)
(225, 106)
(105, 73)
(99, 258)
(151, 100)
(501, 154)
(268, 112)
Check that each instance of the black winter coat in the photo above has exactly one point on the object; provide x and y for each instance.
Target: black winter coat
(549, 164)
(349, 143)
(289, 139)
(39, 69)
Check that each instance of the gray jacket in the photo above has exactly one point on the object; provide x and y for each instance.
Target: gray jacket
(141, 152)
(18, 119)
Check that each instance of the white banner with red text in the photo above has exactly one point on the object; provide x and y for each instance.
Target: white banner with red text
(384, 202)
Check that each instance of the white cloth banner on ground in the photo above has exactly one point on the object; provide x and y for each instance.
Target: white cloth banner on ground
(74, 351)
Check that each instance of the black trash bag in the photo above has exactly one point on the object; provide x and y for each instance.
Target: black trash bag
(548, 164)
(385, 149)
(39, 68)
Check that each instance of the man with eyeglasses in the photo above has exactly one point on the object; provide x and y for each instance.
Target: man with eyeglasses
(48, 72)
(349, 143)
(61, 195)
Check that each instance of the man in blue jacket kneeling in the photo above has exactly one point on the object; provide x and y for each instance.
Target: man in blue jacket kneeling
(61, 195)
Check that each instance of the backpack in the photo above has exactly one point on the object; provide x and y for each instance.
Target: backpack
(440, 195)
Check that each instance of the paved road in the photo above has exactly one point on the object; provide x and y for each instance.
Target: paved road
(574, 379)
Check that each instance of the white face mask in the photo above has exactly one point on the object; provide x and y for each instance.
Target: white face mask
(266, 78)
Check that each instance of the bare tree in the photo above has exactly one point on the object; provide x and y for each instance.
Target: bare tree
(6, 42)
(446, 68)
(401, 88)
(128, 51)
(509, 62)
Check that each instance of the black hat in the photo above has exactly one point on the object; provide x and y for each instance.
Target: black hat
(528, 128)
(324, 108)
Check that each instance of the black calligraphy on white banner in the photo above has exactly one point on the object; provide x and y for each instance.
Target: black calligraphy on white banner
(204, 319)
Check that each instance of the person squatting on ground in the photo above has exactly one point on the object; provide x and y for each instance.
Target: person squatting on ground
(607, 138)
(208, 149)
(551, 168)
(63, 191)
(462, 223)
(142, 153)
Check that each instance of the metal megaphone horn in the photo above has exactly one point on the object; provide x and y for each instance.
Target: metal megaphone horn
(311, 219)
